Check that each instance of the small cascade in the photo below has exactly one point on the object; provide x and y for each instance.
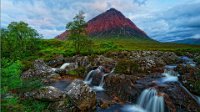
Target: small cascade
(101, 84)
(148, 101)
(156, 104)
(64, 65)
(146, 95)
(188, 60)
(90, 75)
(88, 78)
(172, 76)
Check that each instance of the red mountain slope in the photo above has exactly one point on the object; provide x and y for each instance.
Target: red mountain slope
(111, 23)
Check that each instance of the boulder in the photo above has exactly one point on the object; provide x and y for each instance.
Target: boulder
(179, 97)
(48, 93)
(122, 86)
(40, 70)
(62, 106)
(81, 95)
(96, 78)
(57, 61)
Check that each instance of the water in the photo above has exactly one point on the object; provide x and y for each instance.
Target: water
(148, 101)
(172, 76)
(188, 60)
(61, 84)
(89, 78)
(64, 65)
(101, 84)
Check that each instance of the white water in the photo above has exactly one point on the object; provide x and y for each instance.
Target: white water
(188, 61)
(89, 78)
(148, 101)
(101, 84)
(64, 65)
(172, 76)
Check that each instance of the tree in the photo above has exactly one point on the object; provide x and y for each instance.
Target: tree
(18, 40)
(78, 34)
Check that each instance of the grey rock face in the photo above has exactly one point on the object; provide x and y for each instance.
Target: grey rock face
(81, 95)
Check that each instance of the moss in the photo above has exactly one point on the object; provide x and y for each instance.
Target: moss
(126, 67)
(80, 71)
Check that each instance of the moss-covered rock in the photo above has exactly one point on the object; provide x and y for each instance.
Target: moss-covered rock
(126, 67)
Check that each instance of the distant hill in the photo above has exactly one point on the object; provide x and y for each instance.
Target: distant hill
(111, 23)
(188, 41)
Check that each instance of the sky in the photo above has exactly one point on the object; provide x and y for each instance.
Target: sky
(162, 20)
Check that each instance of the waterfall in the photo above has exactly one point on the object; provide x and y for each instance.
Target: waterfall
(64, 65)
(170, 75)
(101, 84)
(156, 104)
(146, 95)
(148, 101)
(88, 78)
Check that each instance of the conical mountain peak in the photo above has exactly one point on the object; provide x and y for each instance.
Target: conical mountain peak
(112, 23)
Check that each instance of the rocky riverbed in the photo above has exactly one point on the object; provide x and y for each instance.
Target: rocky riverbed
(119, 81)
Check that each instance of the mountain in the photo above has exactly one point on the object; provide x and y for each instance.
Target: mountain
(188, 41)
(111, 23)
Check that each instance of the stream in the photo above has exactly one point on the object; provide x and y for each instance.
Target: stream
(148, 101)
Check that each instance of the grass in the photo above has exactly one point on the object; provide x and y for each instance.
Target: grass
(51, 48)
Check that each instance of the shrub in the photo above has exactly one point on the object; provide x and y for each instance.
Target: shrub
(10, 77)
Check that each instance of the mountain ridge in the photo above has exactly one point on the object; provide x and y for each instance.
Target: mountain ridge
(192, 41)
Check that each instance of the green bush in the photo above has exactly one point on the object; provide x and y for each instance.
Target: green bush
(10, 75)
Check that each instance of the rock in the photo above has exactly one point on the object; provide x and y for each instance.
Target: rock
(126, 67)
(57, 61)
(40, 70)
(81, 95)
(104, 104)
(96, 78)
(40, 65)
(122, 86)
(48, 93)
(179, 97)
(60, 71)
(62, 106)
(169, 57)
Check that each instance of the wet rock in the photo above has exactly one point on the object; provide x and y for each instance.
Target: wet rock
(122, 86)
(104, 104)
(180, 98)
(48, 93)
(81, 95)
(190, 77)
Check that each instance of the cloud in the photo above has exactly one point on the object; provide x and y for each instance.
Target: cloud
(161, 20)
